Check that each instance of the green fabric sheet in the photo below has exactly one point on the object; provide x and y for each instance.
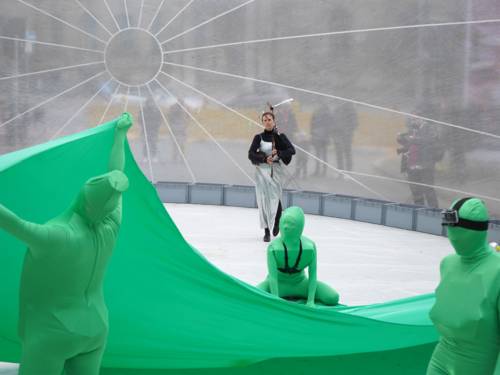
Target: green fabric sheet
(171, 311)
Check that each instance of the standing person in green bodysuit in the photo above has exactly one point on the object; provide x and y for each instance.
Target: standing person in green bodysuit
(467, 308)
(287, 258)
(63, 319)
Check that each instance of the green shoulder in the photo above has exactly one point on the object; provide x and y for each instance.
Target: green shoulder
(307, 243)
(275, 244)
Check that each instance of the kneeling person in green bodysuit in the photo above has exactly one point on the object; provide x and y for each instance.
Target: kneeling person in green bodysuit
(287, 258)
(63, 319)
(467, 308)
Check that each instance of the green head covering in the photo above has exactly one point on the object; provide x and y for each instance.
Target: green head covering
(100, 195)
(469, 242)
(292, 223)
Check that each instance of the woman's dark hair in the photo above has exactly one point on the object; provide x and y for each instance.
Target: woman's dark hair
(266, 114)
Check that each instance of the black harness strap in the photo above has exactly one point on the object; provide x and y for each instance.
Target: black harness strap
(287, 268)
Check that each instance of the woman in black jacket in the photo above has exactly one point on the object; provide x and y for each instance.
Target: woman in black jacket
(270, 151)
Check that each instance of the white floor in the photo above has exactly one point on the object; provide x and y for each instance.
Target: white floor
(366, 263)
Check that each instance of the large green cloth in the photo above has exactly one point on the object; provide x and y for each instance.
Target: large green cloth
(170, 309)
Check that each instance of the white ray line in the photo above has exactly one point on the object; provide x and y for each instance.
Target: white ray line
(343, 172)
(79, 110)
(260, 126)
(156, 15)
(406, 182)
(126, 12)
(50, 70)
(50, 99)
(50, 44)
(109, 104)
(407, 114)
(61, 20)
(207, 21)
(206, 132)
(193, 178)
(140, 14)
(112, 15)
(174, 17)
(335, 33)
(126, 99)
(94, 17)
(153, 180)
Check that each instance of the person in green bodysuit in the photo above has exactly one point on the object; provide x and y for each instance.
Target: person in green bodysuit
(467, 308)
(287, 257)
(63, 319)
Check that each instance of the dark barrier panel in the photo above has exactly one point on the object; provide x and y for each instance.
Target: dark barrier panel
(206, 194)
(309, 201)
(375, 211)
(173, 192)
(239, 196)
(401, 216)
(429, 221)
(338, 205)
(370, 210)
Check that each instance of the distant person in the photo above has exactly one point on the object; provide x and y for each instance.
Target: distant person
(345, 122)
(152, 123)
(287, 258)
(419, 152)
(466, 311)
(286, 121)
(177, 119)
(456, 141)
(270, 152)
(302, 139)
(321, 126)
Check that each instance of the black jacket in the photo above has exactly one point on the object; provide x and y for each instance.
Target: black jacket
(282, 143)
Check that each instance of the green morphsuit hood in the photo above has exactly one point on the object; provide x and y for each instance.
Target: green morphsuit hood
(470, 243)
(292, 223)
(100, 195)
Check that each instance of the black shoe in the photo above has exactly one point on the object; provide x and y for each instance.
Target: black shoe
(276, 229)
(267, 235)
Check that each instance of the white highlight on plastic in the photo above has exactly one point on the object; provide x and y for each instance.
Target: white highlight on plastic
(462, 192)
(193, 178)
(50, 70)
(301, 36)
(51, 44)
(112, 15)
(156, 14)
(207, 133)
(109, 104)
(153, 180)
(407, 114)
(174, 17)
(294, 144)
(61, 20)
(126, 99)
(51, 98)
(78, 112)
(283, 102)
(126, 12)
(141, 8)
(207, 21)
(93, 16)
